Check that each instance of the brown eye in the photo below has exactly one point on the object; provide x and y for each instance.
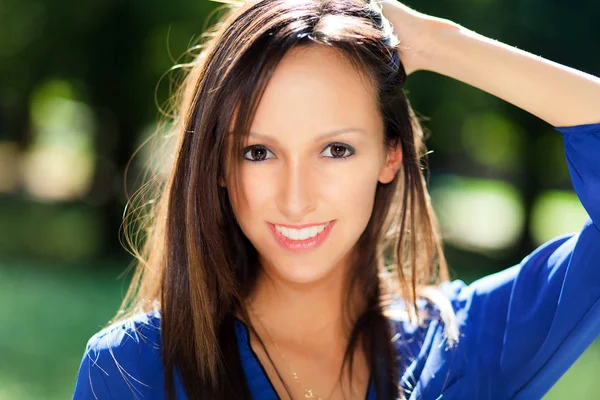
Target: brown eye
(338, 150)
(256, 153)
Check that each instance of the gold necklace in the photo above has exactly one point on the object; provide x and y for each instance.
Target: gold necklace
(308, 393)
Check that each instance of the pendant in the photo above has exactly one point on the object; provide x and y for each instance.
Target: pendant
(308, 394)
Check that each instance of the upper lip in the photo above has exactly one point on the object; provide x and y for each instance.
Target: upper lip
(302, 226)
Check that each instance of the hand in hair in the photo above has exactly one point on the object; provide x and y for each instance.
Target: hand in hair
(413, 30)
(560, 95)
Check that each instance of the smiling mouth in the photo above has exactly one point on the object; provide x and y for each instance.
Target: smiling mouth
(304, 233)
(301, 239)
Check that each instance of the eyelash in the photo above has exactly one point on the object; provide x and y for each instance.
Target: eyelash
(258, 146)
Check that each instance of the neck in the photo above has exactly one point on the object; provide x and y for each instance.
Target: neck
(312, 312)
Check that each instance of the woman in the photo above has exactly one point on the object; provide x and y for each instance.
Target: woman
(294, 252)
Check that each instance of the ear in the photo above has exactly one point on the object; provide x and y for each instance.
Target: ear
(392, 164)
(222, 176)
(222, 181)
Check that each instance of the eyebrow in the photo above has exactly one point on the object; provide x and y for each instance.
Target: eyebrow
(320, 137)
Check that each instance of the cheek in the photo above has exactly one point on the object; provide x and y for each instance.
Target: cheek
(258, 194)
(352, 189)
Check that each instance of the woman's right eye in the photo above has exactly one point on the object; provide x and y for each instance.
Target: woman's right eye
(256, 153)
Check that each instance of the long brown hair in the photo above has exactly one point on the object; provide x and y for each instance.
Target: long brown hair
(198, 267)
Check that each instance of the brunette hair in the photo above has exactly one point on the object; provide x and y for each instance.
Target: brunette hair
(197, 267)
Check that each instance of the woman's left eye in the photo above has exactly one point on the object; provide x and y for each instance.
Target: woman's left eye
(338, 150)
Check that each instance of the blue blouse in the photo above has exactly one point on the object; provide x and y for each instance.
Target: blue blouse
(520, 329)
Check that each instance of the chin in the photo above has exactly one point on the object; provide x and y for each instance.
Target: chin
(301, 273)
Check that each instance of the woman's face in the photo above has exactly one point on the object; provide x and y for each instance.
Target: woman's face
(311, 166)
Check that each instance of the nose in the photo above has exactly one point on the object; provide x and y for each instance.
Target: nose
(297, 191)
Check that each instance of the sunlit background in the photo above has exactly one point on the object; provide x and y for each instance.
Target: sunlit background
(80, 91)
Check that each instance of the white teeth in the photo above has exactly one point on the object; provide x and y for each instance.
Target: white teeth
(300, 234)
(293, 234)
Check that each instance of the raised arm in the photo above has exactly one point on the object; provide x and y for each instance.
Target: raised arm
(522, 328)
(560, 95)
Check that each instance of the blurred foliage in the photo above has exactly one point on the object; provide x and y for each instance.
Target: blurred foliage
(82, 84)
(47, 316)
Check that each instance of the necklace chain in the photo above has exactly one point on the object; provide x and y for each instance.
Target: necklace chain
(308, 393)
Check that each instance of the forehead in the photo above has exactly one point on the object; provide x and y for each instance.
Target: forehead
(315, 89)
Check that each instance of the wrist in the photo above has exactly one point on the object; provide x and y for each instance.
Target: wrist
(432, 48)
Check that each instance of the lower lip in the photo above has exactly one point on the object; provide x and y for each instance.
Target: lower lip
(301, 245)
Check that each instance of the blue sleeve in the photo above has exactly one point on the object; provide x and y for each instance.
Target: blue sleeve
(531, 322)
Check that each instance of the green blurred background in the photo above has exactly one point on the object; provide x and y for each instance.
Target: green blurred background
(81, 88)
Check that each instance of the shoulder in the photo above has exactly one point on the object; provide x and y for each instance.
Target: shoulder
(137, 332)
(432, 355)
(122, 359)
